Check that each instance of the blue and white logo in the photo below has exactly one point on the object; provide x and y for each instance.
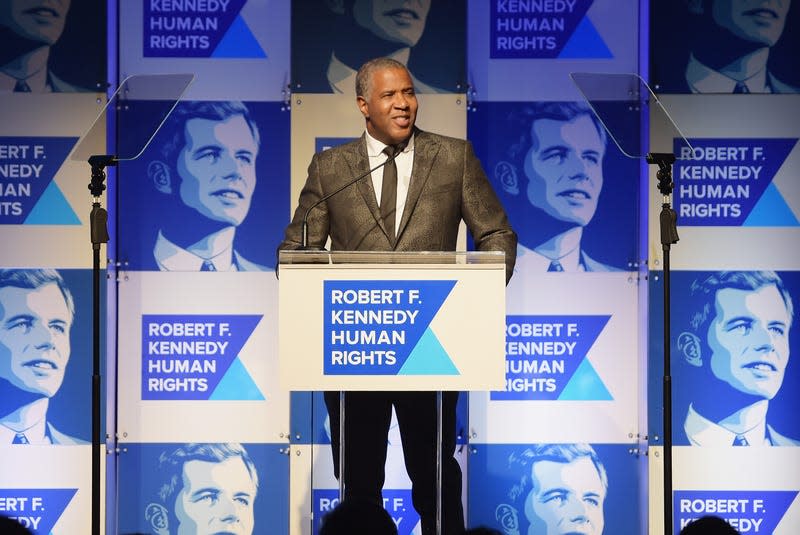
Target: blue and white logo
(28, 193)
(196, 357)
(36, 509)
(396, 501)
(383, 328)
(747, 511)
(208, 29)
(546, 358)
(544, 29)
(729, 182)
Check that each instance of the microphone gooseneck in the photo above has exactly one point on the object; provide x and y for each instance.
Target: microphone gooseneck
(304, 238)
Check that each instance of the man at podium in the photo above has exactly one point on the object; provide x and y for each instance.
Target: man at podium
(423, 187)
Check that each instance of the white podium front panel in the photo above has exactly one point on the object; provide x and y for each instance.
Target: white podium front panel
(391, 326)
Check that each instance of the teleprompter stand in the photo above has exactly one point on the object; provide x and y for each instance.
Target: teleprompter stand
(626, 106)
(669, 236)
(161, 93)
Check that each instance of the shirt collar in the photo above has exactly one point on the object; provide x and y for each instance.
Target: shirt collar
(38, 433)
(39, 82)
(375, 147)
(531, 260)
(703, 432)
(171, 257)
(703, 79)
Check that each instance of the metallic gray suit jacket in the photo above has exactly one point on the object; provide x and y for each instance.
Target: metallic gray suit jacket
(447, 185)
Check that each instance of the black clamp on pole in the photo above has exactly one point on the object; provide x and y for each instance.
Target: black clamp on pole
(99, 217)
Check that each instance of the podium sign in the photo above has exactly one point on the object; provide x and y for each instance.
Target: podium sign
(391, 321)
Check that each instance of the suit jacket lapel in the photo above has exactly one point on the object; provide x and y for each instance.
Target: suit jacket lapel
(425, 151)
(359, 164)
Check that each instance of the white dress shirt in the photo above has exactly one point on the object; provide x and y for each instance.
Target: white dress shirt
(404, 162)
(35, 434)
(704, 79)
(530, 261)
(703, 432)
(38, 82)
(171, 257)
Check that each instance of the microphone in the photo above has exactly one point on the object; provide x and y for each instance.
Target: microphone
(304, 241)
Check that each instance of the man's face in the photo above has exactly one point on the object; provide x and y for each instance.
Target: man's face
(217, 168)
(37, 20)
(216, 498)
(565, 169)
(391, 106)
(400, 21)
(568, 497)
(759, 21)
(749, 340)
(34, 338)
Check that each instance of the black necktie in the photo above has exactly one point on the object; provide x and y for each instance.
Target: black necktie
(22, 87)
(208, 265)
(555, 265)
(20, 438)
(740, 88)
(389, 190)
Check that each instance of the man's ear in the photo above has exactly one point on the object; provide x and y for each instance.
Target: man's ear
(337, 6)
(157, 516)
(690, 347)
(161, 176)
(695, 7)
(506, 515)
(506, 174)
(362, 105)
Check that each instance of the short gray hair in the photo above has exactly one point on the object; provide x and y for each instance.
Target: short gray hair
(364, 75)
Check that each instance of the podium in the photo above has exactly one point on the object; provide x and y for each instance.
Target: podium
(389, 321)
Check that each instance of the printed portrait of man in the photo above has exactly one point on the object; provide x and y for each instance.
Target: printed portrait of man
(36, 317)
(736, 351)
(204, 176)
(731, 44)
(354, 31)
(561, 152)
(561, 491)
(29, 29)
(204, 489)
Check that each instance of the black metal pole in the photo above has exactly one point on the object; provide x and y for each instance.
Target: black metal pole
(96, 390)
(667, 383)
(98, 229)
(669, 235)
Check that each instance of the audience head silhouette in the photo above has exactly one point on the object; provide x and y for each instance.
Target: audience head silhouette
(12, 527)
(358, 516)
(708, 525)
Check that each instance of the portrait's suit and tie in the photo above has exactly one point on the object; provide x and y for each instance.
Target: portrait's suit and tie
(447, 185)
